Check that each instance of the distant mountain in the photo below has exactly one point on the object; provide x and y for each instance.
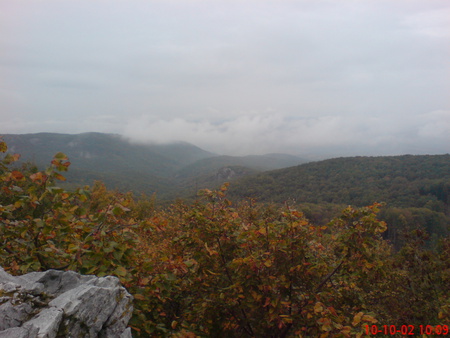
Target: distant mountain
(223, 168)
(109, 158)
(214, 171)
(172, 170)
(106, 152)
(405, 181)
(254, 162)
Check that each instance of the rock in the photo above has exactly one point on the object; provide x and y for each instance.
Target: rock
(225, 173)
(63, 304)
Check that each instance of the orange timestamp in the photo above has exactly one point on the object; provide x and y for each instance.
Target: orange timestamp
(407, 330)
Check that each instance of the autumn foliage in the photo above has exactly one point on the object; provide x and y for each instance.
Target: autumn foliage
(223, 270)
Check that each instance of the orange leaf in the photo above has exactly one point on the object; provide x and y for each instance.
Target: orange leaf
(17, 175)
(59, 177)
(39, 176)
(139, 296)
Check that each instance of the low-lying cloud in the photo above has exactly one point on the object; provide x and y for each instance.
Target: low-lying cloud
(271, 132)
(233, 77)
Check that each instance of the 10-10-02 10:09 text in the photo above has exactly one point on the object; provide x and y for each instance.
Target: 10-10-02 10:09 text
(408, 330)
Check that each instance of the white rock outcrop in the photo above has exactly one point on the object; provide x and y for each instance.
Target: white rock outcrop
(63, 304)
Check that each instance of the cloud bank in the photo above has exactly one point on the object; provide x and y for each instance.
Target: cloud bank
(347, 77)
(330, 135)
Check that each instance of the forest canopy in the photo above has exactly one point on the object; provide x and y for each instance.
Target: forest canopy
(225, 268)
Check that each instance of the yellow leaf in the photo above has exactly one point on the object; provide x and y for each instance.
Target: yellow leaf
(318, 307)
(145, 281)
(357, 318)
(210, 251)
(370, 319)
(3, 146)
(326, 328)
(346, 329)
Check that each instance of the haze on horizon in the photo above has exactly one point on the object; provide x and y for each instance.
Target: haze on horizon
(233, 77)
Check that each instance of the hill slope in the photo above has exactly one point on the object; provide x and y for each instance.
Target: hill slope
(213, 171)
(106, 152)
(171, 170)
(255, 162)
(110, 158)
(411, 181)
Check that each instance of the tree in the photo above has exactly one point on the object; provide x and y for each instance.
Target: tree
(215, 268)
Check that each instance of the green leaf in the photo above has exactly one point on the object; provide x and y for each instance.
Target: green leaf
(117, 211)
(60, 156)
(120, 271)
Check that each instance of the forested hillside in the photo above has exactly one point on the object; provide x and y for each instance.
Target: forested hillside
(404, 181)
(168, 170)
(214, 171)
(416, 189)
(257, 163)
(223, 268)
(109, 158)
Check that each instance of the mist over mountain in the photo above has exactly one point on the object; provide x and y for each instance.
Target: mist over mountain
(169, 169)
(234, 78)
(107, 152)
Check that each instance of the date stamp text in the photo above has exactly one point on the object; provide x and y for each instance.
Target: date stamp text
(408, 330)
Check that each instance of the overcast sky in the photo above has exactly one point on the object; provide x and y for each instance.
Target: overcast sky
(234, 77)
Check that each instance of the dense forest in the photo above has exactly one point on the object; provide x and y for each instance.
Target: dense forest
(414, 189)
(227, 265)
(405, 181)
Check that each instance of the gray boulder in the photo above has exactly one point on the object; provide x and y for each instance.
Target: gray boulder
(63, 304)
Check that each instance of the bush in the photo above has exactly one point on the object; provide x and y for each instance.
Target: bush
(218, 269)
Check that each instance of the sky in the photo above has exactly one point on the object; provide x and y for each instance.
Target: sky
(341, 78)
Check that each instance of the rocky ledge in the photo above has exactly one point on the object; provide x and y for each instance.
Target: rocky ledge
(63, 304)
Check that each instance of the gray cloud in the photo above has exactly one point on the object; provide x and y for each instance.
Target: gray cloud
(332, 134)
(232, 76)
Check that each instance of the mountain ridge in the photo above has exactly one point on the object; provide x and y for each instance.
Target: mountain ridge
(179, 170)
(140, 167)
(358, 180)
